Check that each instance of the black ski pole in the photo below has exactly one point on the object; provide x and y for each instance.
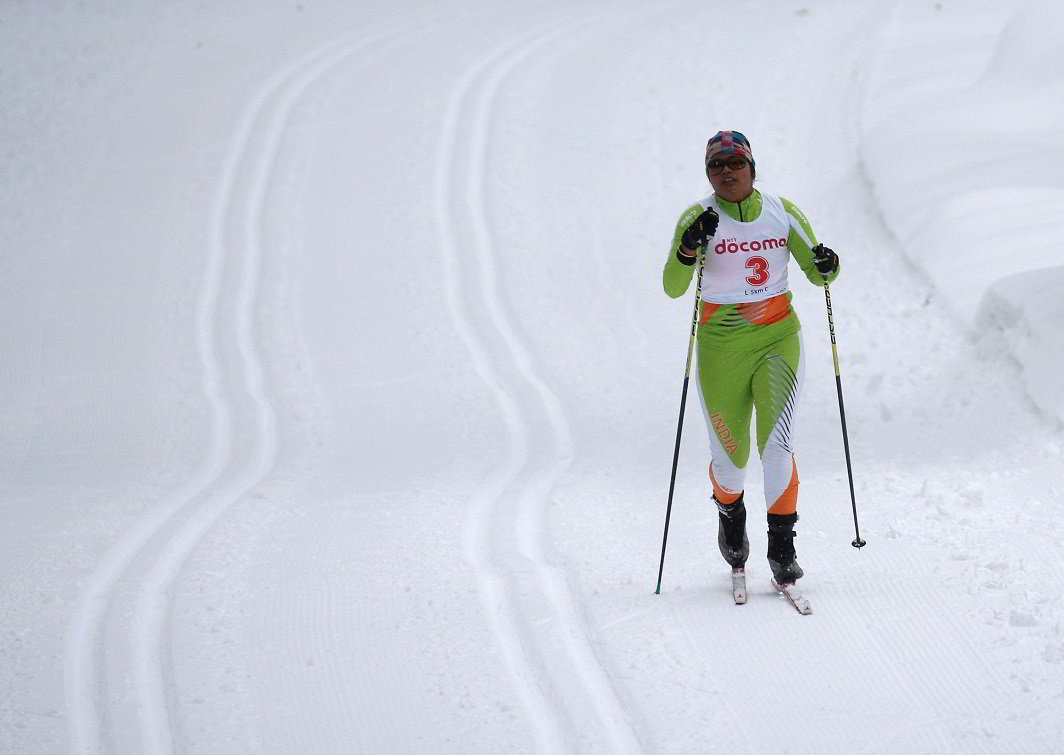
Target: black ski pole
(679, 424)
(857, 542)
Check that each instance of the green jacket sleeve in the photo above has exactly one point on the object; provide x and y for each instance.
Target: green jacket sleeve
(801, 240)
(677, 275)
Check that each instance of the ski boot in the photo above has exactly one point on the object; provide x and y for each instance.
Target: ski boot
(781, 558)
(731, 534)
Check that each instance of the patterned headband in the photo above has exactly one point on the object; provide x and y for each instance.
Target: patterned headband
(729, 143)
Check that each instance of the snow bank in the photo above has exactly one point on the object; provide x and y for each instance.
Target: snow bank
(1025, 312)
(964, 146)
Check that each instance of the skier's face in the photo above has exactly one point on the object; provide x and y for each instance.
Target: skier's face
(732, 183)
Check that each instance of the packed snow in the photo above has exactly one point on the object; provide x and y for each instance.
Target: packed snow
(340, 391)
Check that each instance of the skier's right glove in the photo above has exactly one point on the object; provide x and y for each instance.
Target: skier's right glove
(698, 234)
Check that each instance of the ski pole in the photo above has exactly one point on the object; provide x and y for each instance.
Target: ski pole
(679, 424)
(857, 542)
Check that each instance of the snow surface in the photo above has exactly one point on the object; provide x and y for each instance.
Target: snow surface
(339, 388)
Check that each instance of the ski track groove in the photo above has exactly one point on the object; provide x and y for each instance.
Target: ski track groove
(545, 698)
(169, 533)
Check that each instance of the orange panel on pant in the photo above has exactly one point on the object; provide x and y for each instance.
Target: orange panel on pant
(722, 495)
(708, 308)
(787, 503)
(765, 312)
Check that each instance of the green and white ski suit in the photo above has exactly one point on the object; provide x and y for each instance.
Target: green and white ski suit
(750, 353)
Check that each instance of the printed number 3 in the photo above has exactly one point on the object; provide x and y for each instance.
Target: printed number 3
(760, 267)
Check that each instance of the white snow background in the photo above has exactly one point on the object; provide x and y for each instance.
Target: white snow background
(338, 390)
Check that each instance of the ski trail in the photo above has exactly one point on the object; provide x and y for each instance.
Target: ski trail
(538, 485)
(243, 223)
(544, 695)
(502, 613)
(243, 437)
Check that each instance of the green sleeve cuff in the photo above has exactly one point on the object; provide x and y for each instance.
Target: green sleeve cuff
(677, 275)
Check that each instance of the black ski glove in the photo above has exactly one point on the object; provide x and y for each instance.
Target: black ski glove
(701, 230)
(826, 261)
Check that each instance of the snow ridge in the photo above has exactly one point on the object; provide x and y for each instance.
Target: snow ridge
(243, 442)
(515, 499)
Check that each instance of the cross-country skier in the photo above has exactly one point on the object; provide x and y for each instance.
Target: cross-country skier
(750, 354)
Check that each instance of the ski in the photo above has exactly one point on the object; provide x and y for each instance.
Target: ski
(738, 585)
(794, 596)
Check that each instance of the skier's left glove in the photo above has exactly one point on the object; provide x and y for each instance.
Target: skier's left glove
(826, 261)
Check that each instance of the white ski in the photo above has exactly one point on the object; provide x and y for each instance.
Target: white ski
(738, 585)
(794, 596)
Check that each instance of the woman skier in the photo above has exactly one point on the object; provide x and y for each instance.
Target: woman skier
(750, 354)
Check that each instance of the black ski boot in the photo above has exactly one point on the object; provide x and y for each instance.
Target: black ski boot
(731, 534)
(781, 558)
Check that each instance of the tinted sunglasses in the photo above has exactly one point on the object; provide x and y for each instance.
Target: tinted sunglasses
(735, 162)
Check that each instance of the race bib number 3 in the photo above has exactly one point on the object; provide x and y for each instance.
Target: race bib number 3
(759, 266)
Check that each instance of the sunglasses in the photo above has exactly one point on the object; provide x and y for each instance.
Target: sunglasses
(735, 162)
